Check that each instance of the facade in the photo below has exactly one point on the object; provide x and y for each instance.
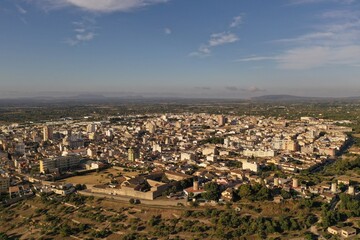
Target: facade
(252, 166)
(133, 154)
(47, 133)
(4, 184)
(259, 153)
(59, 163)
(91, 128)
(348, 232)
(345, 232)
(221, 120)
(334, 230)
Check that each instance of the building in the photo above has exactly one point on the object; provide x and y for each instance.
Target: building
(348, 232)
(334, 230)
(133, 154)
(4, 184)
(259, 153)
(252, 166)
(150, 127)
(146, 187)
(194, 190)
(48, 133)
(91, 128)
(59, 163)
(187, 156)
(20, 148)
(295, 183)
(333, 187)
(212, 150)
(221, 120)
(351, 190)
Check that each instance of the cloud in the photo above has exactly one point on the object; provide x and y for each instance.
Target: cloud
(232, 88)
(101, 6)
(318, 56)
(256, 58)
(307, 37)
(84, 31)
(203, 51)
(218, 39)
(296, 2)
(340, 14)
(336, 44)
(251, 89)
(167, 31)
(238, 20)
(254, 89)
(203, 88)
(335, 41)
(312, 57)
(85, 37)
(20, 9)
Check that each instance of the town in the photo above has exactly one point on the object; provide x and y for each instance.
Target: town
(185, 160)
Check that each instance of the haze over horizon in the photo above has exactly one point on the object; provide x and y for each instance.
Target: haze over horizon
(180, 48)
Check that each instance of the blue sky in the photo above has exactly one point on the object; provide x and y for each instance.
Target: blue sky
(185, 48)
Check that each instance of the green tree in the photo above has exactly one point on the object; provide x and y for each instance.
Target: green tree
(213, 191)
(245, 191)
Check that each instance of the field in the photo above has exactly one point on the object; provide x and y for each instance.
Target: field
(101, 177)
(75, 216)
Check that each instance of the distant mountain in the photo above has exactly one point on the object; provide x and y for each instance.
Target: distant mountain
(88, 96)
(282, 98)
(292, 98)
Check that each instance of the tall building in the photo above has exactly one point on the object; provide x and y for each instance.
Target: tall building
(150, 127)
(4, 184)
(133, 154)
(47, 133)
(221, 120)
(92, 127)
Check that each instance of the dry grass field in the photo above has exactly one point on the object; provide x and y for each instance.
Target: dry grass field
(101, 177)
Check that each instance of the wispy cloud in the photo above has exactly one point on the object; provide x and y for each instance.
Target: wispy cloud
(100, 6)
(254, 89)
(203, 88)
(317, 56)
(251, 89)
(335, 40)
(219, 39)
(232, 88)
(295, 2)
(203, 51)
(237, 21)
(167, 31)
(84, 31)
(256, 58)
(20, 9)
(337, 43)
(216, 39)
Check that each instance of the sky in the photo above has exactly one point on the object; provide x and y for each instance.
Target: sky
(180, 48)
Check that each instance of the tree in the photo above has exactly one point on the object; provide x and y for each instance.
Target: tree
(80, 187)
(4, 236)
(154, 220)
(245, 191)
(213, 191)
(65, 230)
